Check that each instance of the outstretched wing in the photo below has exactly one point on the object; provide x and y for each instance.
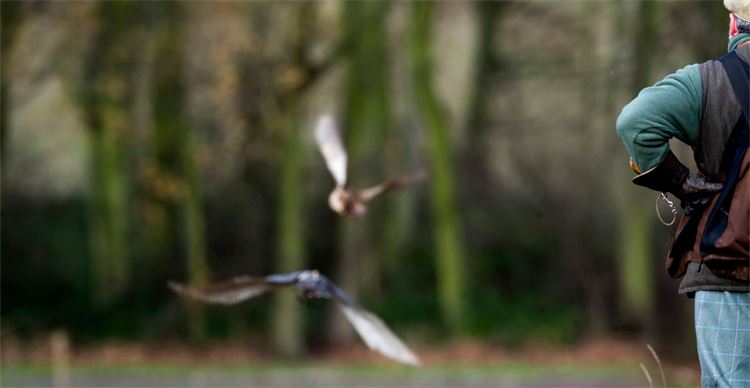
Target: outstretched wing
(393, 184)
(377, 336)
(373, 331)
(230, 292)
(330, 145)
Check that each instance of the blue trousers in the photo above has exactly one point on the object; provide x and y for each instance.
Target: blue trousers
(722, 331)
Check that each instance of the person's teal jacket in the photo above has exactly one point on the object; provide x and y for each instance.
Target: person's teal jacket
(669, 108)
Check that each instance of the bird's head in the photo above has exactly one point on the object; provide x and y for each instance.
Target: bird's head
(312, 285)
(339, 199)
(346, 203)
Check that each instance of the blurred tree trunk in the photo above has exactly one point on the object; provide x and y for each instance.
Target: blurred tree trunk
(447, 233)
(287, 316)
(106, 94)
(150, 248)
(194, 225)
(11, 18)
(401, 208)
(591, 273)
(297, 75)
(486, 64)
(365, 124)
(179, 155)
(636, 234)
(476, 178)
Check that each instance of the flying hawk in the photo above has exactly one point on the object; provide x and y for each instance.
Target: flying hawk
(309, 284)
(343, 200)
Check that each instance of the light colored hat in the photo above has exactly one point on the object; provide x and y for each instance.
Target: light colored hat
(740, 8)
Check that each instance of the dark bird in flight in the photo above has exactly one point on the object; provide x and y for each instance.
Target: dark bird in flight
(309, 285)
(343, 200)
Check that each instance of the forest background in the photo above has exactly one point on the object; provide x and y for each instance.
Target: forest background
(148, 141)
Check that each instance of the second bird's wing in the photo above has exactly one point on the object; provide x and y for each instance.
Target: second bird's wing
(373, 331)
(397, 183)
(329, 142)
(230, 292)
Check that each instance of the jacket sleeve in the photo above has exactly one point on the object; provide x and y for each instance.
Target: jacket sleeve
(669, 108)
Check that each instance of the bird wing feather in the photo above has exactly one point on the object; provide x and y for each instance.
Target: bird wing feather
(393, 184)
(377, 335)
(330, 145)
(230, 292)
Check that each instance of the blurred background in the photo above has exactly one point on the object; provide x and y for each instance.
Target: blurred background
(149, 141)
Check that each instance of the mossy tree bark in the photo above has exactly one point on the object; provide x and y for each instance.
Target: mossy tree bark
(179, 159)
(11, 16)
(636, 241)
(105, 96)
(448, 244)
(486, 65)
(287, 316)
(365, 124)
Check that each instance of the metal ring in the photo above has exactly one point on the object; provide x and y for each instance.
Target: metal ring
(671, 206)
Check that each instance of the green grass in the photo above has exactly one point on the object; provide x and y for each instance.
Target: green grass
(333, 374)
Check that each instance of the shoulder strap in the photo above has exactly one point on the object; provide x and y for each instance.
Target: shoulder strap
(734, 152)
(737, 70)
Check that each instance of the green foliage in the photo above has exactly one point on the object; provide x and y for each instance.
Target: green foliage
(528, 317)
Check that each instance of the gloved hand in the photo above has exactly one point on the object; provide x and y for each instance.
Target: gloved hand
(697, 192)
(693, 190)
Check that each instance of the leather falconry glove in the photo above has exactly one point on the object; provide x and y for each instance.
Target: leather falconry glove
(671, 176)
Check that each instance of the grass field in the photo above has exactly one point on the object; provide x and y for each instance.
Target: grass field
(353, 375)
(607, 364)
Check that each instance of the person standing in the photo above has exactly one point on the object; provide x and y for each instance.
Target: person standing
(706, 106)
